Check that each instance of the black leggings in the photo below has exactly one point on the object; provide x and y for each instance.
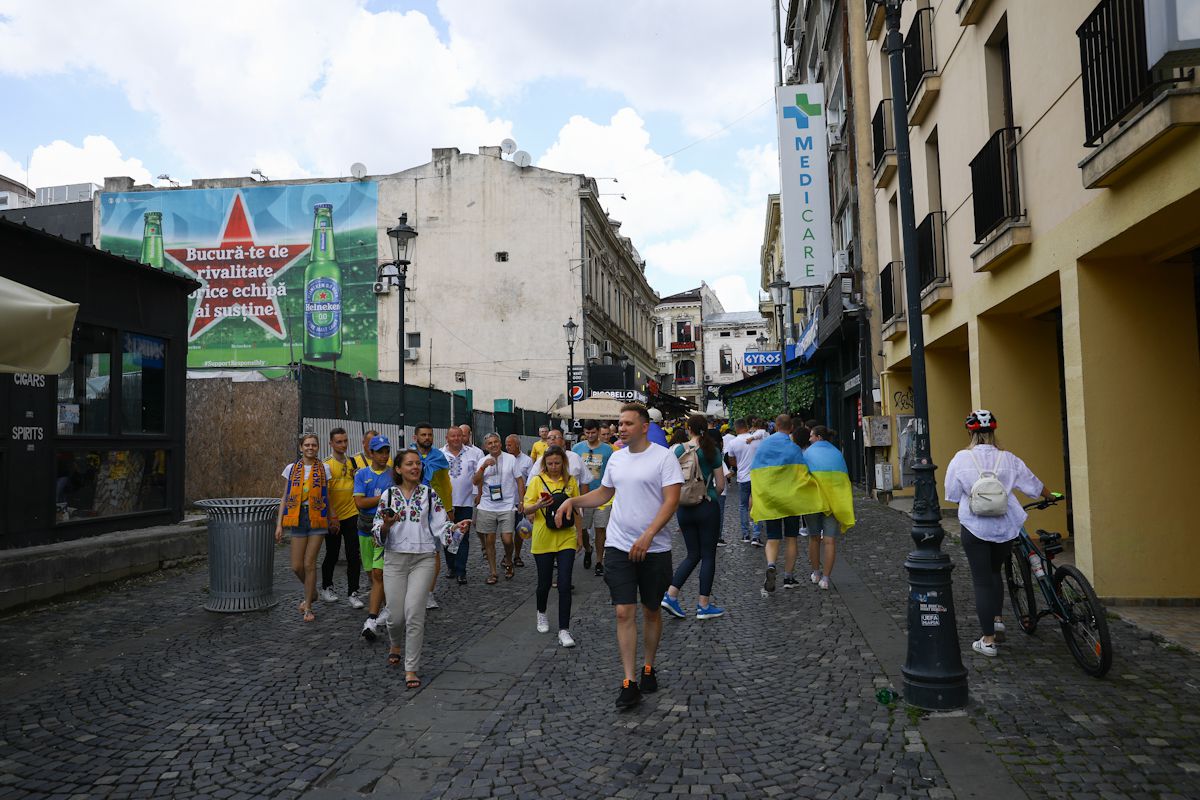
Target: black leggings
(545, 575)
(987, 560)
(347, 534)
(701, 527)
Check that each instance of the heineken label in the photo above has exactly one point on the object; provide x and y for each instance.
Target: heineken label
(322, 308)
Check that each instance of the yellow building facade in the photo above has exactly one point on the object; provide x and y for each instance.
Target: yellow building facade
(1059, 280)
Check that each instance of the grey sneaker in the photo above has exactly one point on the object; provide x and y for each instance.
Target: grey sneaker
(769, 583)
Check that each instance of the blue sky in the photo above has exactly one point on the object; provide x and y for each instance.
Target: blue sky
(306, 87)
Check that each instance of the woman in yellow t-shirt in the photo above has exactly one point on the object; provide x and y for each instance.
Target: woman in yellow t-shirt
(553, 546)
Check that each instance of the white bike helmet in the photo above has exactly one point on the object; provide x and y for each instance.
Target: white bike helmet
(981, 420)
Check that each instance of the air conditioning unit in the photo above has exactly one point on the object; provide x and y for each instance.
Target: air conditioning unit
(382, 288)
(411, 353)
(847, 286)
(608, 346)
(834, 134)
(708, 377)
(591, 350)
(841, 261)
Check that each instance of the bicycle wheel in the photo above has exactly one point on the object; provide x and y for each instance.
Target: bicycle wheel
(1086, 629)
(1020, 591)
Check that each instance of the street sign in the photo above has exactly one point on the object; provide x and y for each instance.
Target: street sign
(575, 374)
(577, 393)
(771, 358)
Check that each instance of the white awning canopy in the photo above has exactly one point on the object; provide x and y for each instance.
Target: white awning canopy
(35, 330)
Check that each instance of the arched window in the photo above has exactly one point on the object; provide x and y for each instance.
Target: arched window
(685, 373)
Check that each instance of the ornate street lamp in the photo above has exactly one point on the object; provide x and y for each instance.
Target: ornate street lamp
(572, 330)
(394, 273)
(779, 290)
(934, 676)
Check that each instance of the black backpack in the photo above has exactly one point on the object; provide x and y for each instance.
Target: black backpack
(558, 498)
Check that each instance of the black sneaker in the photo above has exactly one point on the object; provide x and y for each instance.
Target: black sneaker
(587, 559)
(789, 583)
(769, 583)
(649, 682)
(722, 543)
(600, 569)
(630, 695)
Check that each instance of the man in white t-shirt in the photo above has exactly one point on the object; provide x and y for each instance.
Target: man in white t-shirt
(463, 462)
(645, 480)
(741, 449)
(500, 489)
(575, 466)
(512, 445)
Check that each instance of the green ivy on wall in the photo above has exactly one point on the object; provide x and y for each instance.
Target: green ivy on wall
(768, 401)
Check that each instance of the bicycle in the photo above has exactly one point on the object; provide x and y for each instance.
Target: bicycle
(1069, 596)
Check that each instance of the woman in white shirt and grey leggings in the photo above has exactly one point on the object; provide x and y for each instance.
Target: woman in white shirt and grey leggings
(410, 524)
(988, 540)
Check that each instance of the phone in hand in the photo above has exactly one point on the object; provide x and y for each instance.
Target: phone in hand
(546, 497)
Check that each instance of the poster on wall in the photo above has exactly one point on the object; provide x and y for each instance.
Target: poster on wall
(286, 272)
(906, 428)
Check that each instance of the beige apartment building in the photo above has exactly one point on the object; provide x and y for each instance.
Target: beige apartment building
(1056, 163)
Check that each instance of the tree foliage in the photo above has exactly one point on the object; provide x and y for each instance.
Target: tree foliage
(767, 401)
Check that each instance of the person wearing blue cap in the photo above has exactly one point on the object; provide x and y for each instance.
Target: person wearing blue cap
(370, 483)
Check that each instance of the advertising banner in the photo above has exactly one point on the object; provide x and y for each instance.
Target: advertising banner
(286, 272)
(804, 184)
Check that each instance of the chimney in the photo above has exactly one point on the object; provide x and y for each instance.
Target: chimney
(486, 150)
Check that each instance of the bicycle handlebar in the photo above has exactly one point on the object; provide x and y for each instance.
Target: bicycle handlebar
(1044, 503)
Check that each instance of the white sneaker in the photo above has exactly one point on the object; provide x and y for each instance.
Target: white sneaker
(543, 624)
(430, 602)
(983, 648)
(815, 576)
(384, 616)
(824, 582)
(370, 629)
(564, 638)
(355, 602)
(328, 595)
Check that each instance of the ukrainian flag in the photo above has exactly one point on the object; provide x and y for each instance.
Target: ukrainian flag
(435, 473)
(780, 483)
(828, 467)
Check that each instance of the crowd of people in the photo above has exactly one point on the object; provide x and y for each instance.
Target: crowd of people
(398, 514)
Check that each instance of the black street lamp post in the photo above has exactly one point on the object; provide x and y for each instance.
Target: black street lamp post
(934, 677)
(395, 273)
(778, 296)
(572, 331)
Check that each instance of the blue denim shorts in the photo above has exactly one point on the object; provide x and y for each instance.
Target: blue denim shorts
(305, 527)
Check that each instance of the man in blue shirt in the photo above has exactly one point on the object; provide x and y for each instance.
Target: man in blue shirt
(594, 452)
(369, 483)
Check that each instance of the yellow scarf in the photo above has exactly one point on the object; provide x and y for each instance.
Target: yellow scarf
(318, 497)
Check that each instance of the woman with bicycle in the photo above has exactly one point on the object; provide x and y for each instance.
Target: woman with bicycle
(981, 480)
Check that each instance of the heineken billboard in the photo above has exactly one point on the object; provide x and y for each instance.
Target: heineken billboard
(286, 272)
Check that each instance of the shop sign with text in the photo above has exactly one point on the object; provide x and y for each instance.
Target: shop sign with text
(804, 184)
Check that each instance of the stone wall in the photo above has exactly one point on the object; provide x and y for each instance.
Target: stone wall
(239, 437)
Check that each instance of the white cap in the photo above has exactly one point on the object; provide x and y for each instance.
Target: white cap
(655, 415)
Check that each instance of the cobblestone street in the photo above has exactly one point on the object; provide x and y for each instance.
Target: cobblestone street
(135, 691)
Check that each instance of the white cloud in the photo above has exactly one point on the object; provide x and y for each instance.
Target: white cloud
(709, 61)
(293, 87)
(687, 224)
(62, 162)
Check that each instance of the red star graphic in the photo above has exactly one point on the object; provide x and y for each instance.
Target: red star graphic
(235, 276)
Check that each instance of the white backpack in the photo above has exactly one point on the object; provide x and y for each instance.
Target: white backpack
(988, 497)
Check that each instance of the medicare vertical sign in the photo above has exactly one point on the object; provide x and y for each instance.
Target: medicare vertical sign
(804, 184)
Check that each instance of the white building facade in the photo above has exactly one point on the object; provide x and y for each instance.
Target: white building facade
(679, 341)
(726, 338)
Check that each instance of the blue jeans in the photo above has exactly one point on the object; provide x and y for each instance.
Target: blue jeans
(456, 563)
(700, 530)
(748, 528)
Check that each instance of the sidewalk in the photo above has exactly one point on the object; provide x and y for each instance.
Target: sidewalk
(134, 691)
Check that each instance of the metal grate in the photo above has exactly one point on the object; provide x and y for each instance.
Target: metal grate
(931, 249)
(891, 293)
(882, 132)
(995, 183)
(918, 51)
(1112, 54)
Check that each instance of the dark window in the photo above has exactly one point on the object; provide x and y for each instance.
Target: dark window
(143, 384)
(502, 255)
(683, 330)
(106, 483)
(752, 333)
(659, 329)
(726, 361)
(685, 372)
(84, 387)
(726, 334)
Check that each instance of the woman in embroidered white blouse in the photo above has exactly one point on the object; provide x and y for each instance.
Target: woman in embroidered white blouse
(412, 526)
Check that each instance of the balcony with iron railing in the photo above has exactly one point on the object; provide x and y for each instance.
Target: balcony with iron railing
(875, 19)
(1128, 103)
(922, 81)
(931, 262)
(1000, 228)
(891, 301)
(884, 138)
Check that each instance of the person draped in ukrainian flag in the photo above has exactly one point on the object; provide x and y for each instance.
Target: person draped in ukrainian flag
(827, 466)
(781, 492)
(435, 473)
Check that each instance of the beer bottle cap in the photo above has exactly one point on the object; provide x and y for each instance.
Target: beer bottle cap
(323, 205)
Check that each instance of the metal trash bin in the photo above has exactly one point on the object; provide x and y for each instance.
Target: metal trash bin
(241, 553)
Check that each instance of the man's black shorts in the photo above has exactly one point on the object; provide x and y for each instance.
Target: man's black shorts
(779, 528)
(627, 579)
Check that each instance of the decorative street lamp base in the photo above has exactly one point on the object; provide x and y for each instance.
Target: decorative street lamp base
(934, 677)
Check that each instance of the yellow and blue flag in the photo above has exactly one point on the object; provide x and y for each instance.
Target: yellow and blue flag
(827, 466)
(780, 483)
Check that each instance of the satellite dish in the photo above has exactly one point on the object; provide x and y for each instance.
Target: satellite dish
(522, 159)
(508, 147)
(358, 170)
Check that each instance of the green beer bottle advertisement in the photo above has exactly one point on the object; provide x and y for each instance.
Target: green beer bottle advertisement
(152, 240)
(322, 291)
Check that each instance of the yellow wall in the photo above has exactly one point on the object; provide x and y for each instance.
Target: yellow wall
(949, 379)
(1132, 408)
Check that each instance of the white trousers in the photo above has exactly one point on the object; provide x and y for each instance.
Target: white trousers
(406, 579)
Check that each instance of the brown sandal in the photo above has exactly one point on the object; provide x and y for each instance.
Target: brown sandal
(492, 580)
(518, 562)
(508, 571)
